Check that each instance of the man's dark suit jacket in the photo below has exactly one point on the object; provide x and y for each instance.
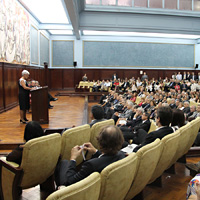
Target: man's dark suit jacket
(172, 105)
(125, 86)
(113, 77)
(191, 77)
(160, 133)
(96, 164)
(145, 126)
(134, 122)
(186, 110)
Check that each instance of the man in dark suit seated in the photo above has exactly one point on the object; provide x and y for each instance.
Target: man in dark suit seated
(172, 103)
(97, 113)
(125, 85)
(163, 119)
(110, 140)
(186, 108)
(134, 133)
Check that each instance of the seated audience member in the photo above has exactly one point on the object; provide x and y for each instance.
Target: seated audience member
(133, 97)
(178, 119)
(193, 190)
(97, 113)
(103, 97)
(107, 84)
(84, 78)
(130, 124)
(197, 140)
(172, 103)
(35, 84)
(125, 85)
(135, 132)
(186, 108)
(198, 110)
(192, 114)
(32, 130)
(110, 140)
(163, 120)
(126, 113)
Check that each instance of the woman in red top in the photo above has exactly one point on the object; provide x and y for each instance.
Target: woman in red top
(177, 87)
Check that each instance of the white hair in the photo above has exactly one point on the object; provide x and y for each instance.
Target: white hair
(25, 72)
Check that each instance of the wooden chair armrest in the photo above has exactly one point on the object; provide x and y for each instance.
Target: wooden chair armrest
(10, 180)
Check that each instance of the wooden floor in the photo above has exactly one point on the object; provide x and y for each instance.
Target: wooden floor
(68, 111)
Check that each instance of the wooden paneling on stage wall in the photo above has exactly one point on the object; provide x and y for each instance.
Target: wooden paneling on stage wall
(9, 76)
(69, 78)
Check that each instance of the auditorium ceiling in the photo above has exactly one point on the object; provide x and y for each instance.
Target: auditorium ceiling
(144, 18)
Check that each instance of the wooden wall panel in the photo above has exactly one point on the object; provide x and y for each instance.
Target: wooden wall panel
(1, 88)
(9, 77)
(68, 78)
(130, 73)
(10, 85)
(56, 79)
(37, 74)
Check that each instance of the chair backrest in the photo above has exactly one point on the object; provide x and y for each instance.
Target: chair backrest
(86, 189)
(152, 126)
(84, 84)
(72, 137)
(185, 133)
(170, 144)
(148, 157)
(80, 84)
(39, 159)
(116, 178)
(195, 124)
(138, 99)
(95, 130)
(193, 103)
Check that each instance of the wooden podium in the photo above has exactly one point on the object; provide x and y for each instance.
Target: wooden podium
(39, 103)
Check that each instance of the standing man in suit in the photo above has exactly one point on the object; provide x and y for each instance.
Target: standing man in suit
(163, 119)
(110, 140)
(198, 76)
(144, 76)
(184, 76)
(188, 76)
(114, 77)
(193, 76)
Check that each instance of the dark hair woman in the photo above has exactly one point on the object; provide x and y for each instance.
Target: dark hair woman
(32, 130)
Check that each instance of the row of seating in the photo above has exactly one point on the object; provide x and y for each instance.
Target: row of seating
(89, 85)
(192, 103)
(40, 157)
(125, 179)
